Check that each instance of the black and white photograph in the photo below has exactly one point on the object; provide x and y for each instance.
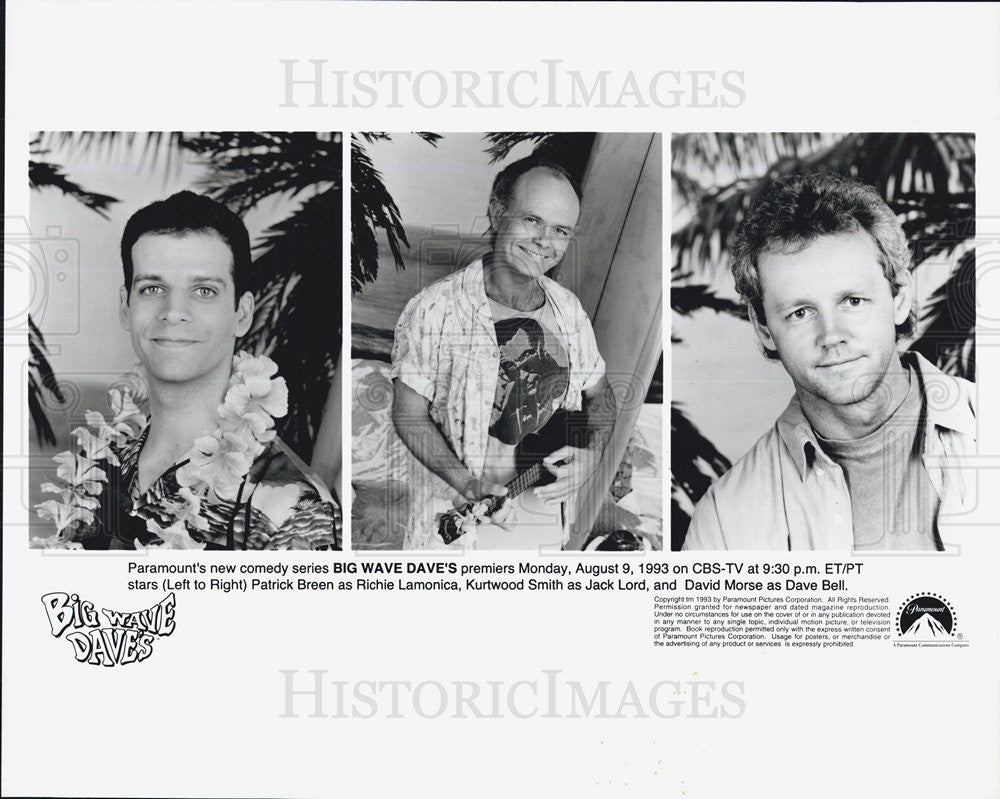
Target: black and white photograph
(506, 341)
(374, 294)
(185, 340)
(824, 286)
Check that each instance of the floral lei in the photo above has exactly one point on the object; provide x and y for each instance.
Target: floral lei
(216, 464)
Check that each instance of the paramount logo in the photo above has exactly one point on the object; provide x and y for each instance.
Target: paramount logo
(926, 626)
(926, 617)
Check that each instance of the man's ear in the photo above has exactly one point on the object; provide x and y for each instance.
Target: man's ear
(123, 309)
(244, 314)
(496, 214)
(761, 330)
(903, 301)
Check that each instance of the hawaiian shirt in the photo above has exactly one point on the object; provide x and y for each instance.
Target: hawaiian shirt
(787, 493)
(280, 505)
(445, 349)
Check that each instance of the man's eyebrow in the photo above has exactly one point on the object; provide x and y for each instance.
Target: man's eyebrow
(207, 279)
(850, 291)
(550, 223)
(195, 279)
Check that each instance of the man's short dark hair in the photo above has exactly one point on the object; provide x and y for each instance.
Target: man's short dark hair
(503, 183)
(187, 212)
(794, 211)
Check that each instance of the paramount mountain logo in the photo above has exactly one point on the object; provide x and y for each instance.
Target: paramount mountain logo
(926, 626)
(114, 640)
(927, 617)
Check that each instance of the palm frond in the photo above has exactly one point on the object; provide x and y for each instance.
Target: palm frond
(692, 478)
(708, 157)
(686, 188)
(370, 137)
(949, 322)
(570, 150)
(372, 208)
(159, 149)
(695, 464)
(926, 179)
(297, 321)
(685, 299)
(39, 361)
(41, 381)
(296, 274)
(502, 143)
(247, 167)
(43, 175)
(40, 420)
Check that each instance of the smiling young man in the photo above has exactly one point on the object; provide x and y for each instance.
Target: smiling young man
(484, 357)
(182, 311)
(865, 456)
(207, 470)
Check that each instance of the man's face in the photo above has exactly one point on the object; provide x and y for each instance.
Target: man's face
(831, 317)
(181, 312)
(532, 234)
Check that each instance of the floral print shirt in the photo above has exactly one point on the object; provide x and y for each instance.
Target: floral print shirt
(279, 506)
(238, 488)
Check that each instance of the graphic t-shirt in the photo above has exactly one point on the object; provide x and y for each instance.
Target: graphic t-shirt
(533, 374)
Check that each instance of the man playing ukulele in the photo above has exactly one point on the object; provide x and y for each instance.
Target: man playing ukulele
(486, 355)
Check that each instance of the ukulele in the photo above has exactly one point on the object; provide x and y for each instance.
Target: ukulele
(536, 523)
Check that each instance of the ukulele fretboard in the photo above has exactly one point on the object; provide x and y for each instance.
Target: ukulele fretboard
(524, 480)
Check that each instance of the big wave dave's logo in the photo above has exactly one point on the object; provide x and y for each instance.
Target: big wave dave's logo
(926, 617)
(118, 639)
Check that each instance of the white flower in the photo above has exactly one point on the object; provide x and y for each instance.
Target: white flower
(63, 515)
(217, 465)
(80, 472)
(65, 491)
(137, 382)
(245, 364)
(237, 443)
(96, 448)
(258, 395)
(71, 494)
(54, 542)
(126, 422)
(245, 424)
(173, 537)
(126, 412)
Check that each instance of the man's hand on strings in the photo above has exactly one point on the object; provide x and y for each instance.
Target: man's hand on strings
(572, 467)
